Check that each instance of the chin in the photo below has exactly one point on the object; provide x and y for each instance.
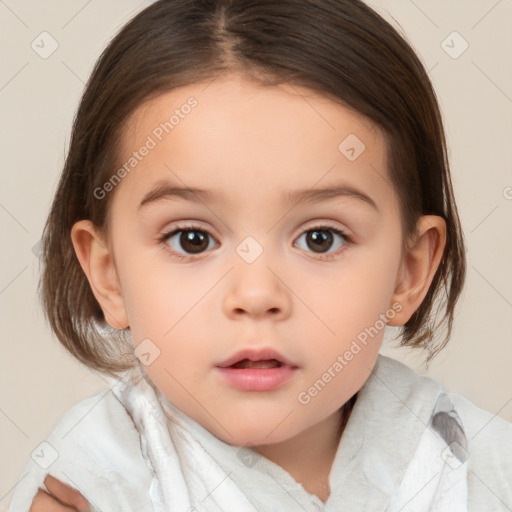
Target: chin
(254, 435)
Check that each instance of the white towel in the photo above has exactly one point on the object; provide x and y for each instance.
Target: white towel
(194, 471)
(403, 449)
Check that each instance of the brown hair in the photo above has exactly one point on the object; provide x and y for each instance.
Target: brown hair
(341, 49)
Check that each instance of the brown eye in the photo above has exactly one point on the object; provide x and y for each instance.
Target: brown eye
(188, 241)
(322, 239)
(318, 240)
(193, 241)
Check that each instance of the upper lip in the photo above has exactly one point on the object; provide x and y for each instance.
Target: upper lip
(256, 354)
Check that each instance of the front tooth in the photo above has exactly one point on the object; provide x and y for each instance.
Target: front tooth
(259, 364)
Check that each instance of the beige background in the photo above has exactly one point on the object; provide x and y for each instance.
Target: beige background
(39, 382)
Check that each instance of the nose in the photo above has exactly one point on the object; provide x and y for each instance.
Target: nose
(257, 291)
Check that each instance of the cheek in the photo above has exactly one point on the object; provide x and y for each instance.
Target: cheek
(355, 299)
(344, 355)
(351, 312)
(147, 294)
(168, 307)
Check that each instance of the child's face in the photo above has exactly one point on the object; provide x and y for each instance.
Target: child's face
(250, 147)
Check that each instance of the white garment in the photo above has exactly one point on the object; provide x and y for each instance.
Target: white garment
(408, 446)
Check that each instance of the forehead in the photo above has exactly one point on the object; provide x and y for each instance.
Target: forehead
(232, 134)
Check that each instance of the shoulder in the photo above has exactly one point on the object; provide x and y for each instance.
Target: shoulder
(483, 428)
(102, 428)
(490, 456)
(94, 448)
(489, 436)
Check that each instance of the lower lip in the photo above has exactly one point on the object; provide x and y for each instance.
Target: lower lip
(257, 379)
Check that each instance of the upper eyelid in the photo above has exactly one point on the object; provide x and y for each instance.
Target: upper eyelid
(179, 228)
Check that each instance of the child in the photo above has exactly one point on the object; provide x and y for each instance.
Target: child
(217, 146)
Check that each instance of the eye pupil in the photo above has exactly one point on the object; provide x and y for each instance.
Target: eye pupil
(316, 239)
(193, 241)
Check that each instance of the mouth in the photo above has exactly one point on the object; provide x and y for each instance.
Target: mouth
(256, 358)
(247, 363)
(257, 370)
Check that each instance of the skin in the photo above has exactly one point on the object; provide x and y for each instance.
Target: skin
(59, 498)
(250, 143)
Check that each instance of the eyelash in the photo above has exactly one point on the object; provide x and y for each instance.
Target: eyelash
(163, 238)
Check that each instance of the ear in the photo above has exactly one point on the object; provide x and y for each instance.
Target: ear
(419, 266)
(97, 262)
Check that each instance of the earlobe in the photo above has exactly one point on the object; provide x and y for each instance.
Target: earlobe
(97, 262)
(419, 266)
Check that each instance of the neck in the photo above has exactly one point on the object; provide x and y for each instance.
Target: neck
(308, 456)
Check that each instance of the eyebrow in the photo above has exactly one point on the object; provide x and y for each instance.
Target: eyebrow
(166, 190)
(316, 195)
